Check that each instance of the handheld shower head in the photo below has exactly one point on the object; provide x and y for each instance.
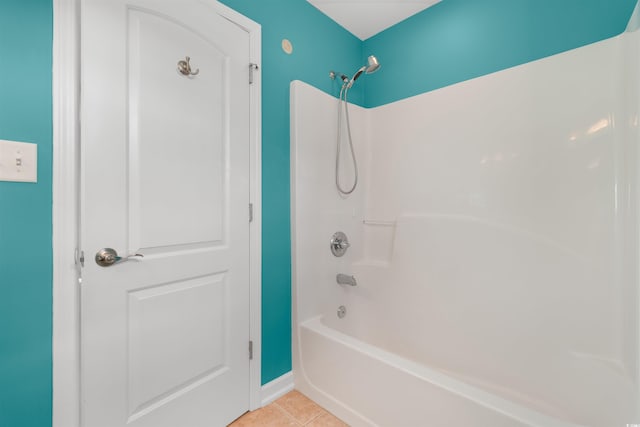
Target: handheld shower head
(372, 66)
(355, 76)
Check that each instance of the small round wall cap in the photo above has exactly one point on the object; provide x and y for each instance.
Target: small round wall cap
(287, 46)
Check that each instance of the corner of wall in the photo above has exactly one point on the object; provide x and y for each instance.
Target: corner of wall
(634, 22)
(274, 389)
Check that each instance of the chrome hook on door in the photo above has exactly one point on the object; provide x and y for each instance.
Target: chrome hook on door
(106, 257)
(185, 67)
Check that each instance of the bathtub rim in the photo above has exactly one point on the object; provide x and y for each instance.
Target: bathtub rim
(483, 398)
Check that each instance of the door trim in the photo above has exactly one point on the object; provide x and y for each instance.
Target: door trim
(66, 167)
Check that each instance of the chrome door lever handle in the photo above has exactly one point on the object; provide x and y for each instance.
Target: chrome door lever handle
(107, 257)
(127, 258)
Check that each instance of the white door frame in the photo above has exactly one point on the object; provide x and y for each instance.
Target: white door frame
(66, 165)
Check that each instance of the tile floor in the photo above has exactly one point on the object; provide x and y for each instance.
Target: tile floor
(294, 409)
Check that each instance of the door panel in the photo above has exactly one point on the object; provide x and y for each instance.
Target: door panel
(177, 183)
(165, 174)
(163, 359)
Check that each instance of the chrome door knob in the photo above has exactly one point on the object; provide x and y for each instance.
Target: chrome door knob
(107, 257)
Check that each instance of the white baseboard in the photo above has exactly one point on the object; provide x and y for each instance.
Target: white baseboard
(276, 388)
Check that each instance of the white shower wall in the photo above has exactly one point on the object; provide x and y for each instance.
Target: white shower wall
(511, 196)
(495, 234)
(319, 210)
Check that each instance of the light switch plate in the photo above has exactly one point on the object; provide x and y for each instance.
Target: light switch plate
(18, 161)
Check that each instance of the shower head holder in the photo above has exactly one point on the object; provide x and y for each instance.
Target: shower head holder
(333, 75)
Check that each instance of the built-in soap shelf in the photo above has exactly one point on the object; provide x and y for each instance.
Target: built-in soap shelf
(384, 223)
(371, 263)
(379, 235)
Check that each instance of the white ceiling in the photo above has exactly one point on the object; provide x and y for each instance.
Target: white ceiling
(365, 18)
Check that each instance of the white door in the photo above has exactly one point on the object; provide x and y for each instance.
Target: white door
(164, 174)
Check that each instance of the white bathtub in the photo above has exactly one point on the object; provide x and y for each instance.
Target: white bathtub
(368, 386)
(414, 352)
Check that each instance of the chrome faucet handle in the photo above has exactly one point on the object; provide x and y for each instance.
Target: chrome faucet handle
(339, 244)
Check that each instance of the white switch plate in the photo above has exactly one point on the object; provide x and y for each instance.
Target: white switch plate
(18, 161)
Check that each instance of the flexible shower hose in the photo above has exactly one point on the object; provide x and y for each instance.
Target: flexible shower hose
(343, 101)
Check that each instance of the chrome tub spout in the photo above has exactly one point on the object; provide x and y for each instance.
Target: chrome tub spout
(345, 279)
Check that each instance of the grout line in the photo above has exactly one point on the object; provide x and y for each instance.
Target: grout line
(322, 412)
(286, 413)
(316, 417)
(289, 416)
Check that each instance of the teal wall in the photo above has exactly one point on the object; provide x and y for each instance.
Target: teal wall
(319, 45)
(457, 40)
(25, 217)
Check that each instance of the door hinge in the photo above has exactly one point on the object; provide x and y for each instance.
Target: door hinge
(250, 350)
(250, 212)
(252, 67)
(79, 257)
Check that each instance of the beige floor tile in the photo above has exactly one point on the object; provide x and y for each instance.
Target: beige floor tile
(269, 416)
(299, 406)
(326, 420)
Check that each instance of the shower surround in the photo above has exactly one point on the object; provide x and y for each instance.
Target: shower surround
(494, 240)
